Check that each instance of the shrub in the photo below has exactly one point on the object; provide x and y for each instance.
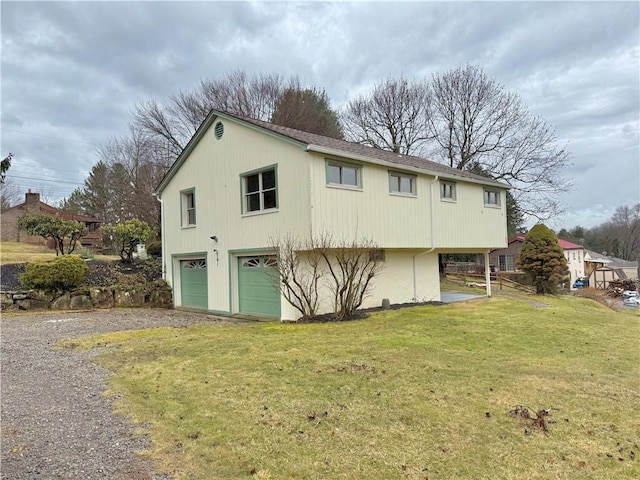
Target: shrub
(154, 249)
(63, 273)
(86, 253)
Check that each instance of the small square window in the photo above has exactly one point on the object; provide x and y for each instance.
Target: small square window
(344, 174)
(401, 183)
(448, 191)
(491, 197)
(259, 191)
(188, 202)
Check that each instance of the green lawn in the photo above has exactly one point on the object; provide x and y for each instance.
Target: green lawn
(412, 394)
(16, 252)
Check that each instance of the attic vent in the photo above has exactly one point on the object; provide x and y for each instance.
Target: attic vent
(219, 130)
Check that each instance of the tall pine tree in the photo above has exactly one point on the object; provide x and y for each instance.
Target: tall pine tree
(543, 260)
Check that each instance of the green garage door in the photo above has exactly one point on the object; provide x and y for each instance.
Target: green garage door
(257, 292)
(193, 283)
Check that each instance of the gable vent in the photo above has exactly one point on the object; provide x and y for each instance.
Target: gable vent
(219, 130)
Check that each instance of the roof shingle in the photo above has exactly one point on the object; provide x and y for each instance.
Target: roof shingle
(352, 148)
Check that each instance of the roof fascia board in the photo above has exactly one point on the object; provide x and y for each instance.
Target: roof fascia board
(204, 127)
(363, 158)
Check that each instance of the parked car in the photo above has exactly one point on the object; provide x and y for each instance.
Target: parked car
(581, 282)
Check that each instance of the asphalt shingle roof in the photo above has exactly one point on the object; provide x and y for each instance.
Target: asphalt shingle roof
(352, 148)
(333, 146)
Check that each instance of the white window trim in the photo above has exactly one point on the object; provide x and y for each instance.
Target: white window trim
(412, 178)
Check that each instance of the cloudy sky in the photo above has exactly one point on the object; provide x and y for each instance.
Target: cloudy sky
(72, 72)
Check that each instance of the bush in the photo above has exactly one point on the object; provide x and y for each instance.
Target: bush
(63, 273)
(86, 253)
(154, 249)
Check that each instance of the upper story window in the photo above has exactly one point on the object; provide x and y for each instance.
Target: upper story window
(492, 198)
(344, 174)
(448, 191)
(402, 183)
(259, 190)
(188, 203)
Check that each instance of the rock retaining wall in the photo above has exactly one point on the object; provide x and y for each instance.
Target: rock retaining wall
(85, 299)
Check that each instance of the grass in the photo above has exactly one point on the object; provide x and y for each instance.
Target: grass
(410, 394)
(16, 252)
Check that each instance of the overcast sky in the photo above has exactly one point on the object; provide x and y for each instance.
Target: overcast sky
(72, 72)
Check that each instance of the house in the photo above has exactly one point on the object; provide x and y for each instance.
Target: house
(240, 183)
(504, 259)
(9, 231)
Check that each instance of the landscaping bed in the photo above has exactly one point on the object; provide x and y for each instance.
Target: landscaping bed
(107, 284)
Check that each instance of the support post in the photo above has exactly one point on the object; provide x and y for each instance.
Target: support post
(487, 273)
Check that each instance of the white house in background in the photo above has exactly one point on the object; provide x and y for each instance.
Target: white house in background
(574, 254)
(239, 182)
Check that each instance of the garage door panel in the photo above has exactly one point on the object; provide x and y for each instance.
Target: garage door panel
(258, 293)
(193, 283)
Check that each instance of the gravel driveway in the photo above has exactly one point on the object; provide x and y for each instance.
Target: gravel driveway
(55, 421)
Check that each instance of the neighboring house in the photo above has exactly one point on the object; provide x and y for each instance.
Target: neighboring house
(241, 183)
(9, 231)
(601, 269)
(504, 259)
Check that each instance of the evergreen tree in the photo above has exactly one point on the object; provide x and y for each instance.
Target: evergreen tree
(308, 110)
(543, 260)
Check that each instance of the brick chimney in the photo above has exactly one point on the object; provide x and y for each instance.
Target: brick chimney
(32, 202)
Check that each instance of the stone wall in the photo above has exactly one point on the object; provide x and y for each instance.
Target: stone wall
(84, 299)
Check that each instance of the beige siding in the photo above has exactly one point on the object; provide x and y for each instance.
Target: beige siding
(213, 169)
(467, 223)
(407, 276)
(392, 221)
(396, 221)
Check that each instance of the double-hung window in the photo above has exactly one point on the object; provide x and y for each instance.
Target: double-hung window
(344, 174)
(188, 203)
(492, 198)
(402, 183)
(448, 191)
(259, 191)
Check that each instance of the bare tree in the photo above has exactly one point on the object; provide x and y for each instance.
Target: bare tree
(468, 121)
(10, 195)
(475, 123)
(392, 117)
(624, 228)
(347, 269)
(352, 266)
(300, 266)
(177, 119)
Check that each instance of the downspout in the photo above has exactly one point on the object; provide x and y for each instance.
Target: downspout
(162, 237)
(433, 238)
